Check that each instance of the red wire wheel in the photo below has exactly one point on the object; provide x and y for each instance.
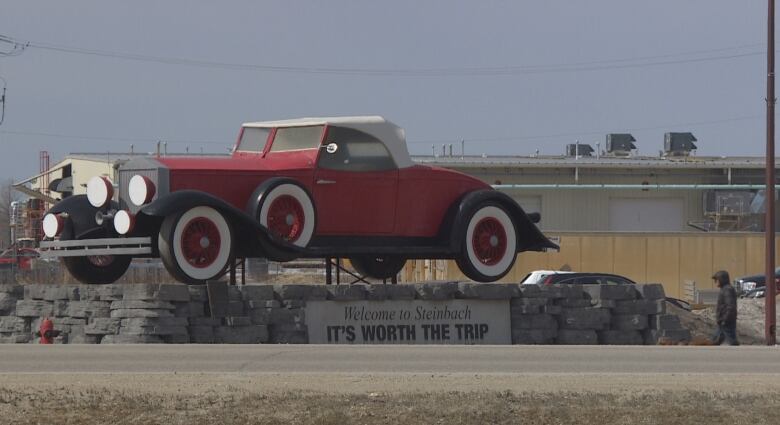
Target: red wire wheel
(200, 242)
(489, 241)
(489, 244)
(287, 211)
(196, 245)
(286, 218)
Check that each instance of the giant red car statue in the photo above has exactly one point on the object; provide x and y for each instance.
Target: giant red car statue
(313, 187)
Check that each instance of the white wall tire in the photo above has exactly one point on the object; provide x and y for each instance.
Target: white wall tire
(287, 211)
(489, 244)
(197, 245)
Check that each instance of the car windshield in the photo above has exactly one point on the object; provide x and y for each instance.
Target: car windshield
(253, 139)
(297, 138)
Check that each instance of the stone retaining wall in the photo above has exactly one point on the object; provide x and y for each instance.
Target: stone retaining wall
(172, 313)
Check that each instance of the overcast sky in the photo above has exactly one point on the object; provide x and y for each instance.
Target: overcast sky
(571, 70)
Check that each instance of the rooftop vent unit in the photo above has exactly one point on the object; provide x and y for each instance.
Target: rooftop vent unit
(679, 144)
(578, 149)
(620, 144)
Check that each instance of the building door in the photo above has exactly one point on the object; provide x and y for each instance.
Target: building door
(646, 215)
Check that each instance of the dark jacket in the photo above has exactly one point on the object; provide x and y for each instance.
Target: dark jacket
(727, 305)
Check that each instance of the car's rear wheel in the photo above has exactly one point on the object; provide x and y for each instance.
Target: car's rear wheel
(378, 267)
(97, 269)
(196, 245)
(488, 244)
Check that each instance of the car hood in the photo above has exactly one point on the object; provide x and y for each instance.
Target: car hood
(234, 163)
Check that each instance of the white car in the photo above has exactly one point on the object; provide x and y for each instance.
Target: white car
(536, 277)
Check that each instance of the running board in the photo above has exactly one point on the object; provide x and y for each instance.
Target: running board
(90, 247)
(411, 252)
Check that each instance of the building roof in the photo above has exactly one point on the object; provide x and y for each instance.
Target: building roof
(691, 162)
(390, 134)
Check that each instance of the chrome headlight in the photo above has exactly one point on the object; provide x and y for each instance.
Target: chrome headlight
(124, 222)
(141, 190)
(100, 190)
(52, 225)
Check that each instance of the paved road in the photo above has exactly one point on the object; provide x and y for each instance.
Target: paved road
(318, 359)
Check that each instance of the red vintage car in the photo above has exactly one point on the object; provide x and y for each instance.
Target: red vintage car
(314, 187)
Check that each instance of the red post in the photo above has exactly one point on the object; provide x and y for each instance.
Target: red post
(770, 319)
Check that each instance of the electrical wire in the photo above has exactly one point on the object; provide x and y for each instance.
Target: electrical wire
(16, 47)
(624, 63)
(412, 142)
(112, 139)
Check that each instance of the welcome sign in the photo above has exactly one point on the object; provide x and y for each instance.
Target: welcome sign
(408, 322)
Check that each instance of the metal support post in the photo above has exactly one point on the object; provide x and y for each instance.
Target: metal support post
(770, 318)
(338, 271)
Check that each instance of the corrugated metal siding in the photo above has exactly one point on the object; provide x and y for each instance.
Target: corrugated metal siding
(588, 210)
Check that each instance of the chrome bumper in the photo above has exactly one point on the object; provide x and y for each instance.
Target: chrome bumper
(89, 247)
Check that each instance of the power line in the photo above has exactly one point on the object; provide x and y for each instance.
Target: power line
(412, 142)
(16, 48)
(113, 139)
(623, 63)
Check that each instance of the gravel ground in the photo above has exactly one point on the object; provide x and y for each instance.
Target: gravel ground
(750, 321)
(369, 399)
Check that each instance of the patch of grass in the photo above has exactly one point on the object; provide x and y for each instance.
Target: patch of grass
(62, 406)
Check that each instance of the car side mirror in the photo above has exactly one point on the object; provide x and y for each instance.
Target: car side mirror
(331, 148)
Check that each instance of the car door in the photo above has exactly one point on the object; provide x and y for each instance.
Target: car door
(355, 185)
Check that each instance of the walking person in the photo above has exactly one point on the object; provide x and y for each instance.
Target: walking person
(726, 311)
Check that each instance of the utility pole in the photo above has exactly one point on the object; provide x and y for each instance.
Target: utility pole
(771, 290)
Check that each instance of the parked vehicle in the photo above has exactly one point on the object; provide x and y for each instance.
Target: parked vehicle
(543, 277)
(312, 187)
(21, 259)
(753, 286)
(538, 276)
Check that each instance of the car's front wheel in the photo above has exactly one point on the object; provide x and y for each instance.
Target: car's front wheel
(287, 211)
(196, 245)
(378, 267)
(97, 269)
(488, 244)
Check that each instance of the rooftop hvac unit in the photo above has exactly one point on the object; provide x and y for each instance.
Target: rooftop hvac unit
(620, 144)
(728, 202)
(578, 149)
(679, 144)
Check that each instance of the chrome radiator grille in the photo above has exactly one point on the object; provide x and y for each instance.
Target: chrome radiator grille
(147, 167)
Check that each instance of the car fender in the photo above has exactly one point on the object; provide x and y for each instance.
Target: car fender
(80, 222)
(529, 237)
(243, 224)
(264, 188)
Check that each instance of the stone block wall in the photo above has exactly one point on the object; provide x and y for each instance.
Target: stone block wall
(173, 313)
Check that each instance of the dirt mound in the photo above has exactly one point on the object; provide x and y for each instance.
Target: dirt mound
(702, 323)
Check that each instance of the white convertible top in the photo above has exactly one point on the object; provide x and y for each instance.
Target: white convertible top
(388, 133)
